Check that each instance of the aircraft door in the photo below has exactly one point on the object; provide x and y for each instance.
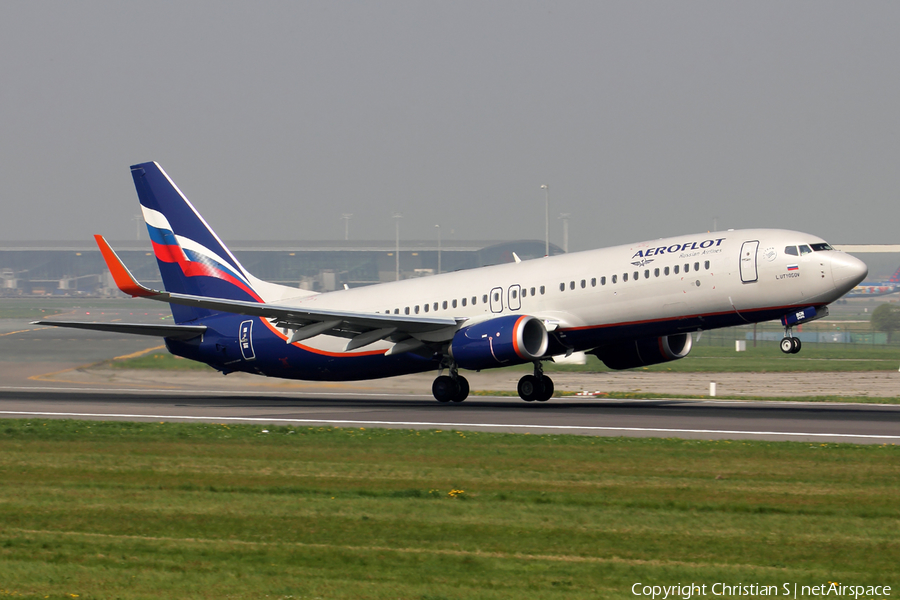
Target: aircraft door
(497, 300)
(748, 262)
(514, 302)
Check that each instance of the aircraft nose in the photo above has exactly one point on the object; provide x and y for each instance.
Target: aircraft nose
(847, 270)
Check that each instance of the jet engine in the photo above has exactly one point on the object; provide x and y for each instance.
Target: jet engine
(500, 342)
(640, 353)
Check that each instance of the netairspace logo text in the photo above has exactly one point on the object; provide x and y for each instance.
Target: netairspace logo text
(793, 590)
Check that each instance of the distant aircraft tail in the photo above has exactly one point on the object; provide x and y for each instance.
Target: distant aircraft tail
(896, 277)
(191, 257)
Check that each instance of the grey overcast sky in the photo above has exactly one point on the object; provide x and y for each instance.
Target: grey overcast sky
(646, 119)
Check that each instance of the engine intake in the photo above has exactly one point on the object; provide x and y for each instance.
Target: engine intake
(641, 353)
(500, 342)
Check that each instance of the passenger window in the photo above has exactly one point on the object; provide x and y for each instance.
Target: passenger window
(444, 305)
(496, 296)
(532, 291)
(636, 275)
(514, 294)
(417, 309)
(647, 274)
(593, 282)
(454, 303)
(542, 290)
(804, 250)
(406, 310)
(792, 250)
(396, 311)
(524, 292)
(562, 287)
(603, 281)
(483, 299)
(687, 268)
(426, 308)
(624, 276)
(463, 301)
(656, 272)
(666, 270)
(583, 284)
(706, 265)
(675, 270)
(696, 266)
(571, 285)
(613, 278)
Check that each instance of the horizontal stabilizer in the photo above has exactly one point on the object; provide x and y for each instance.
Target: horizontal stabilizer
(299, 318)
(181, 332)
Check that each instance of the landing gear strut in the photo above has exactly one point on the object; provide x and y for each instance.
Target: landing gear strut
(535, 387)
(450, 388)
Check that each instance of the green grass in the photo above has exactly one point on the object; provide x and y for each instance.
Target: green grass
(132, 510)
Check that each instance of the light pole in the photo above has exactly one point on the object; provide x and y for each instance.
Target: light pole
(397, 217)
(346, 217)
(439, 248)
(565, 220)
(546, 189)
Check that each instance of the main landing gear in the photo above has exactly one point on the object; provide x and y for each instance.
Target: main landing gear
(535, 387)
(450, 388)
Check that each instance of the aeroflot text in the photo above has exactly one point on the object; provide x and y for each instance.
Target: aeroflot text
(677, 248)
(756, 589)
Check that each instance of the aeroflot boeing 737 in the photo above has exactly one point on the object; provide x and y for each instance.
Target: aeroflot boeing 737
(630, 305)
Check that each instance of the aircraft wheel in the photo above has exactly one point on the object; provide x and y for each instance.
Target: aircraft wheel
(463, 393)
(547, 391)
(787, 345)
(444, 388)
(796, 345)
(529, 388)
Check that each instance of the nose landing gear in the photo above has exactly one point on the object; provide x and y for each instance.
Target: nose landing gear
(535, 387)
(790, 344)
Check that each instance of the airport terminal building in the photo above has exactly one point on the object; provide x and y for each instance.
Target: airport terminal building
(77, 268)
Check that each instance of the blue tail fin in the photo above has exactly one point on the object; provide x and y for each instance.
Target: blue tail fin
(191, 257)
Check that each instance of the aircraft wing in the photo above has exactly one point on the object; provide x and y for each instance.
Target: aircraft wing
(182, 332)
(362, 328)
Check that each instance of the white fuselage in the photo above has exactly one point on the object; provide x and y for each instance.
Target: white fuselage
(702, 281)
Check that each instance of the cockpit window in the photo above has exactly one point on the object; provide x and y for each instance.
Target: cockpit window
(821, 247)
(792, 250)
(805, 250)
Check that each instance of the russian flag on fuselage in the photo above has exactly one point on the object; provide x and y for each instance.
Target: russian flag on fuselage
(191, 257)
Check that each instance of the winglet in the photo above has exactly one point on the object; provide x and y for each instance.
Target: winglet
(122, 276)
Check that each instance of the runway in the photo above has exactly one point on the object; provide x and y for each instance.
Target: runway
(42, 378)
(691, 419)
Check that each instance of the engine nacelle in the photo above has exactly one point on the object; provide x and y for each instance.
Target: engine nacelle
(500, 342)
(641, 353)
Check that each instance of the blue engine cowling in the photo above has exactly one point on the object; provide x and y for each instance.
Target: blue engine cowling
(640, 353)
(500, 342)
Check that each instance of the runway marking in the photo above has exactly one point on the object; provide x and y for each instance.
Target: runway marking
(23, 331)
(139, 352)
(447, 425)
